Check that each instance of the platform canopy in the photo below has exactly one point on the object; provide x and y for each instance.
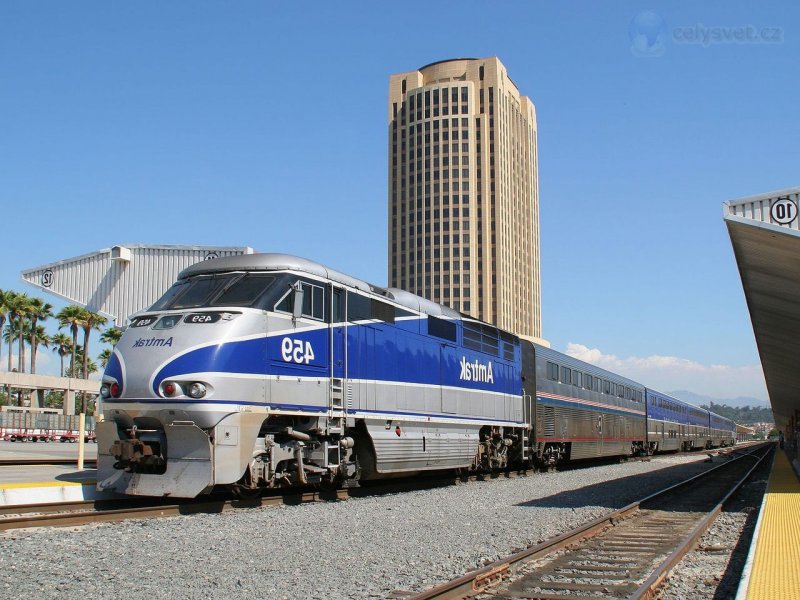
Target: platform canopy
(119, 281)
(765, 233)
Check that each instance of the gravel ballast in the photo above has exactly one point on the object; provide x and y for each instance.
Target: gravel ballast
(364, 547)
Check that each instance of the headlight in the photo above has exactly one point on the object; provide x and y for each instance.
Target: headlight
(105, 390)
(197, 390)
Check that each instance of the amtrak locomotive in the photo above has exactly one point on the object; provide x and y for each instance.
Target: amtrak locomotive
(270, 370)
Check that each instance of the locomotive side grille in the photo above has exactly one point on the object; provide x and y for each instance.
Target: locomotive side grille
(549, 421)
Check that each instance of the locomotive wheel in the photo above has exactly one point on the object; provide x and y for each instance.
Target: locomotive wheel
(244, 493)
(243, 489)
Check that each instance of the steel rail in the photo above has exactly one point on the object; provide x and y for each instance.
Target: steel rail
(57, 513)
(85, 513)
(32, 462)
(45, 507)
(480, 580)
(649, 587)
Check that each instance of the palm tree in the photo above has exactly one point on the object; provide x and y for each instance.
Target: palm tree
(91, 320)
(5, 297)
(38, 310)
(111, 336)
(10, 335)
(18, 310)
(62, 345)
(91, 366)
(39, 338)
(104, 357)
(71, 316)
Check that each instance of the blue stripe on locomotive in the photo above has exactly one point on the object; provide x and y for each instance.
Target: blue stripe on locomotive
(376, 351)
(114, 369)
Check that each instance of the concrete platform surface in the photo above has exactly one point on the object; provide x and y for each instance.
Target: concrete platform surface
(42, 450)
(43, 484)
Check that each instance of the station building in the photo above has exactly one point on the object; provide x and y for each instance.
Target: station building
(115, 282)
(765, 234)
(119, 281)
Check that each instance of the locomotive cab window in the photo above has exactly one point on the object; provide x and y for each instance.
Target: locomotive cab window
(313, 301)
(173, 292)
(245, 291)
(195, 293)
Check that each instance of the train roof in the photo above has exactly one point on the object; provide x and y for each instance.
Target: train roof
(574, 363)
(287, 262)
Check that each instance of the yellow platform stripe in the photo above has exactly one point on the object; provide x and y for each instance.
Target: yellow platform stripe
(776, 566)
(41, 484)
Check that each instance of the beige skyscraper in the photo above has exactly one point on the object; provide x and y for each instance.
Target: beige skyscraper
(464, 193)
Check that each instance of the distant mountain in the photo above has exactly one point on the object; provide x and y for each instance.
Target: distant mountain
(699, 400)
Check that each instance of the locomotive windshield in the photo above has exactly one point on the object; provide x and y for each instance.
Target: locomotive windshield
(230, 289)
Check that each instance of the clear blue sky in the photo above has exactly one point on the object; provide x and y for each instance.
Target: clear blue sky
(264, 124)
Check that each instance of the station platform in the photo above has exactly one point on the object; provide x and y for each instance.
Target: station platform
(773, 565)
(44, 484)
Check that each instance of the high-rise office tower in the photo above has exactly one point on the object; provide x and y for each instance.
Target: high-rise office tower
(463, 192)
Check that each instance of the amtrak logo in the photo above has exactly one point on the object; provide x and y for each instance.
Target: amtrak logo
(158, 342)
(475, 371)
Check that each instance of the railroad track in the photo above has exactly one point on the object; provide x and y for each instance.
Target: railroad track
(35, 462)
(84, 512)
(626, 554)
(112, 510)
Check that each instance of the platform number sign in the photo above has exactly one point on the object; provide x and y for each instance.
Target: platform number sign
(47, 278)
(783, 211)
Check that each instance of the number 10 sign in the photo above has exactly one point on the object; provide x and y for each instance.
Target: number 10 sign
(783, 211)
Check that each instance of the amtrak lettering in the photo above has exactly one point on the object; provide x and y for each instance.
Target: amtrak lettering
(475, 371)
(143, 343)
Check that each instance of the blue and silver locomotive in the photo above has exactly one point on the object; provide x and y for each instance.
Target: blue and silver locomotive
(269, 370)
